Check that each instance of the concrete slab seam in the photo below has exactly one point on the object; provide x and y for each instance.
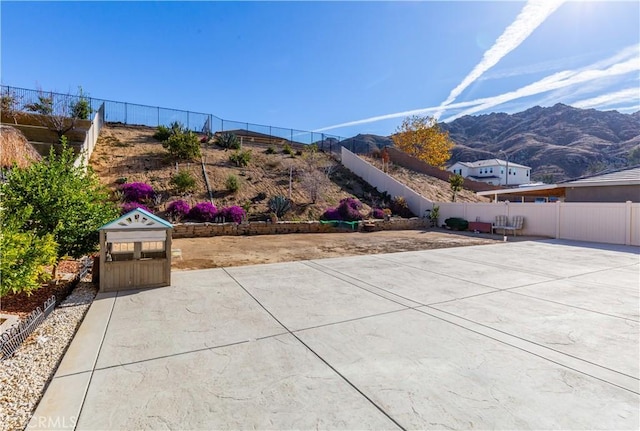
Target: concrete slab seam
(530, 352)
(413, 300)
(104, 335)
(332, 272)
(462, 279)
(318, 356)
(569, 305)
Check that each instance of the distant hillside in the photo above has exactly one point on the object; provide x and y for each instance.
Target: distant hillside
(560, 142)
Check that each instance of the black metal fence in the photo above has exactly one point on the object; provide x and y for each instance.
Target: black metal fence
(153, 116)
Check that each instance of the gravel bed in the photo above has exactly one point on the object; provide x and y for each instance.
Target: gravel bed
(25, 376)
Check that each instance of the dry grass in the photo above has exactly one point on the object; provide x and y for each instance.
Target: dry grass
(16, 150)
(434, 189)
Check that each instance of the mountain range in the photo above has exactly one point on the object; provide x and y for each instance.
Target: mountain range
(558, 142)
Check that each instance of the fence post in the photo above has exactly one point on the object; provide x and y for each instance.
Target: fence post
(222, 124)
(125, 113)
(158, 116)
(628, 223)
(558, 205)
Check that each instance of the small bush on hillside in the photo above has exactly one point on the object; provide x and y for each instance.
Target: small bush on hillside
(81, 108)
(137, 192)
(204, 211)
(279, 205)
(130, 206)
(331, 214)
(234, 214)
(377, 213)
(270, 150)
(162, 133)
(178, 210)
(232, 183)
(183, 145)
(286, 149)
(240, 158)
(400, 207)
(184, 181)
(349, 209)
(228, 141)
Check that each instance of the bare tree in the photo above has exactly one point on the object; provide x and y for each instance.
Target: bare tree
(58, 112)
(9, 105)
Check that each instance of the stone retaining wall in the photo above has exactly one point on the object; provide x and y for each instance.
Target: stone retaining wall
(203, 230)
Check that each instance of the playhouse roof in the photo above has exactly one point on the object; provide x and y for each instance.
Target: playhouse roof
(137, 219)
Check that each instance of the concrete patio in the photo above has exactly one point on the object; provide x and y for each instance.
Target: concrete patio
(526, 335)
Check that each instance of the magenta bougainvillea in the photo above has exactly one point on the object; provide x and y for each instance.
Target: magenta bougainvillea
(204, 211)
(178, 209)
(234, 214)
(349, 209)
(377, 213)
(137, 192)
(331, 214)
(130, 206)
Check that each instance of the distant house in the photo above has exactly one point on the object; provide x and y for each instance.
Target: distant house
(493, 171)
(616, 186)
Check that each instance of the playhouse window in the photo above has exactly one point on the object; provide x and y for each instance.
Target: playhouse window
(122, 247)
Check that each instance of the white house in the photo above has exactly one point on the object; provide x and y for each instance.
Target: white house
(493, 171)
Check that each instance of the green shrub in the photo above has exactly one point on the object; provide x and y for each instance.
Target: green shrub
(232, 183)
(286, 149)
(24, 257)
(270, 150)
(279, 205)
(184, 181)
(183, 145)
(456, 223)
(81, 108)
(228, 141)
(240, 158)
(400, 207)
(162, 134)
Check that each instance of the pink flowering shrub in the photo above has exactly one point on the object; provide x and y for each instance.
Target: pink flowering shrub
(204, 211)
(137, 192)
(234, 214)
(331, 214)
(130, 206)
(377, 213)
(178, 209)
(349, 209)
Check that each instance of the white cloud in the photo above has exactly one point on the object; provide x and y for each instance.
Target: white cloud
(534, 13)
(615, 98)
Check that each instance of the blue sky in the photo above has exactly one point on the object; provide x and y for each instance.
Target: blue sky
(319, 65)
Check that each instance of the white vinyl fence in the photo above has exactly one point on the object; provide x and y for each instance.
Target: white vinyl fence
(613, 223)
(90, 138)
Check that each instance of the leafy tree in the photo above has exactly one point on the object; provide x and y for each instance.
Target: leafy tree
(64, 200)
(421, 138)
(455, 182)
(60, 112)
(23, 255)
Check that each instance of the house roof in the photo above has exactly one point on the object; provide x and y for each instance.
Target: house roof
(490, 162)
(137, 219)
(627, 176)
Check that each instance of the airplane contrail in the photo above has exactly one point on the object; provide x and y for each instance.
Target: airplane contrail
(554, 82)
(534, 13)
(626, 61)
(615, 98)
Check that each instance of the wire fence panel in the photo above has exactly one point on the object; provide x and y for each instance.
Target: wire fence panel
(153, 116)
